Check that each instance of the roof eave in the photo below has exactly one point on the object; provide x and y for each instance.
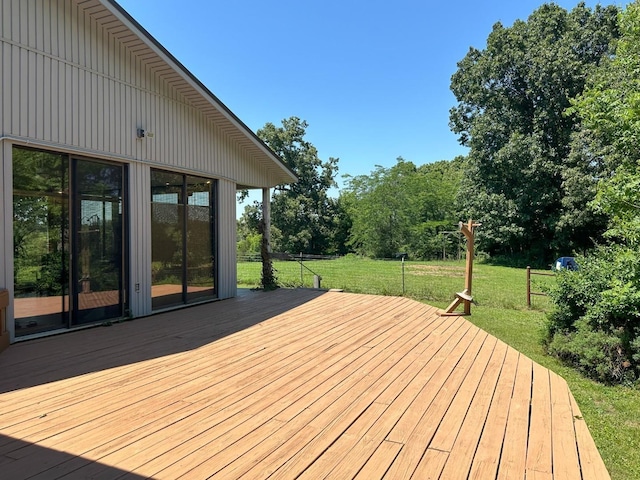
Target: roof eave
(196, 84)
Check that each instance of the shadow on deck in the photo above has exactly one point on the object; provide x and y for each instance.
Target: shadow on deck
(70, 354)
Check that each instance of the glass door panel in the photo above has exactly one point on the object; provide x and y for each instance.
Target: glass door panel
(167, 239)
(200, 277)
(40, 240)
(98, 232)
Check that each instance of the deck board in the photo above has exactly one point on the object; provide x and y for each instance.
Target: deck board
(487, 455)
(590, 462)
(376, 466)
(565, 453)
(539, 445)
(288, 384)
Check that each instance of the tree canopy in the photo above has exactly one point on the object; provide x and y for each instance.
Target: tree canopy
(610, 114)
(596, 321)
(304, 217)
(512, 101)
(401, 209)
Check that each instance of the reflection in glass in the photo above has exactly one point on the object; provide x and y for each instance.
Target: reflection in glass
(40, 240)
(167, 234)
(182, 243)
(99, 242)
(52, 219)
(199, 240)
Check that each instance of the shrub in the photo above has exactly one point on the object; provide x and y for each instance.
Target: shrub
(595, 324)
(596, 353)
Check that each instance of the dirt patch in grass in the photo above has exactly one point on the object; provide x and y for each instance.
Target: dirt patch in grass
(437, 270)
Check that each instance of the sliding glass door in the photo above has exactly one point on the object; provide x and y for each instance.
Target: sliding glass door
(182, 239)
(69, 243)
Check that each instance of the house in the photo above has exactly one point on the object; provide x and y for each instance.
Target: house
(118, 171)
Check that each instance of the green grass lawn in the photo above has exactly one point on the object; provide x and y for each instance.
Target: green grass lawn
(612, 413)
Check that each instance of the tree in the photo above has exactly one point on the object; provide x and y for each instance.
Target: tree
(379, 205)
(610, 114)
(582, 224)
(304, 217)
(402, 208)
(595, 324)
(513, 97)
(247, 226)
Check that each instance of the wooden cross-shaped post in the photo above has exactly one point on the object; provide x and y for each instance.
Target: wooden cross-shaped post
(465, 296)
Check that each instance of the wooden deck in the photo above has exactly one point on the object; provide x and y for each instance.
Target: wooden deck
(288, 384)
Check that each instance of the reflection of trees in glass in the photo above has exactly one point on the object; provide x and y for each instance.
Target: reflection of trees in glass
(40, 226)
(199, 257)
(35, 171)
(51, 277)
(166, 246)
(102, 181)
(198, 234)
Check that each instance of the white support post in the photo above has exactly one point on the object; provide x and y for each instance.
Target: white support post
(266, 215)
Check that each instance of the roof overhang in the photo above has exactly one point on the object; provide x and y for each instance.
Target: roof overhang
(113, 18)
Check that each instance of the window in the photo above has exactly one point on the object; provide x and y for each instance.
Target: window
(182, 239)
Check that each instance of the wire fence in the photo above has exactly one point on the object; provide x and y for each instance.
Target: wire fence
(303, 260)
(358, 275)
(434, 282)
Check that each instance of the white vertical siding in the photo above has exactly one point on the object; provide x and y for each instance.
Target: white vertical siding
(227, 272)
(65, 80)
(140, 239)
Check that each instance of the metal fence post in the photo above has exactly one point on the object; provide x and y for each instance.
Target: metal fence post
(403, 275)
(528, 287)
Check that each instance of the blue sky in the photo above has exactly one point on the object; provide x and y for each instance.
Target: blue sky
(370, 77)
